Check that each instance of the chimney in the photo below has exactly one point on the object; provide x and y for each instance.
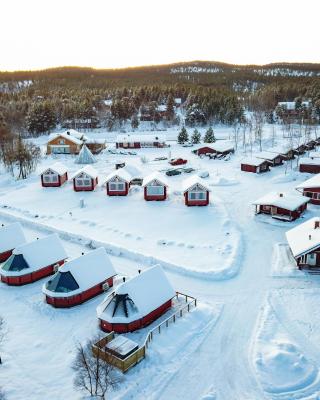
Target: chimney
(317, 224)
(82, 254)
(2, 224)
(309, 237)
(139, 271)
(37, 238)
(124, 279)
(280, 194)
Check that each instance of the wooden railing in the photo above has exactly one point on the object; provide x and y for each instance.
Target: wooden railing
(98, 349)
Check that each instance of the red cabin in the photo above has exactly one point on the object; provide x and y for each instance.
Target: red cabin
(311, 189)
(85, 180)
(80, 279)
(136, 302)
(283, 206)
(118, 183)
(196, 192)
(310, 165)
(255, 165)
(155, 187)
(33, 261)
(221, 148)
(11, 236)
(274, 159)
(140, 141)
(54, 176)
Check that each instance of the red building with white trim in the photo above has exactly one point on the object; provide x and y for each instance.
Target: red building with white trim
(54, 176)
(255, 165)
(310, 165)
(311, 189)
(33, 261)
(136, 302)
(140, 141)
(195, 191)
(118, 182)
(11, 236)
(155, 187)
(80, 279)
(85, 180)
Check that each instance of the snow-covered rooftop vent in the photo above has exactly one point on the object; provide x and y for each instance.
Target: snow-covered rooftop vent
(85, 156)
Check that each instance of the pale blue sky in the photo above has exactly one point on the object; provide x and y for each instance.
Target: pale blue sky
(116, 33)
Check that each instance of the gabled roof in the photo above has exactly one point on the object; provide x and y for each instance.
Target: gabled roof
(68, 136)
(85, 156)
(11, 236)
(88, 270)
(120, 173)
(87, 170)
(280, 150)
(313, 182)
(57, 167)
(193, 180)
(40, 253)
(140, 138)
(287, 201)
(155, 176)
(309, 161)
(147, 291)
(304, 238)
(267, 155)
(253, 161)
(220, 146)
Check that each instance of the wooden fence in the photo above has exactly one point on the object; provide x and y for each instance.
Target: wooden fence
(98, 349)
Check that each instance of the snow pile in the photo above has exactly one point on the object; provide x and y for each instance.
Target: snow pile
(283, 263)
(11, 236)
(221, 181)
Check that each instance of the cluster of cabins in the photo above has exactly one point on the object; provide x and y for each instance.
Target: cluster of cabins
(133, 304)
(262, 161)
(155, 186)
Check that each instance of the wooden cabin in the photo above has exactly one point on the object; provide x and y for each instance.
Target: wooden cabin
(255, 165)
(221, 148)
(140, 141)
(311, 145)
(155, 187)
(136, 302)
(54, 176)
(11, 236)
(118, 182)
(68, 142)
(195, 191)
(32, 261)
(274, 159)
(310, 165)
(304, 243)
(80, 279)
(311, 189)
(85, 180)
(285, 152)
(300, 149)
(283, 206)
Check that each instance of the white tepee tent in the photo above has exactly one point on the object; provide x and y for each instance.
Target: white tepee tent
(85, 156)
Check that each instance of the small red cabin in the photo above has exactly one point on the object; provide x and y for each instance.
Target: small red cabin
(85, 180)
(155, 187)
(54, 176)
(118, 183)
(283, 206)
(11, 236)
(33, 261)
(136, 302)
(311, 189)
(274, 159)
(196, 192)
(80, 279)
(255, 165)
(310, 165)
(217, 148)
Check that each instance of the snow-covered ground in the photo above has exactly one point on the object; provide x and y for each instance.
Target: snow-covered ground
(255, 332)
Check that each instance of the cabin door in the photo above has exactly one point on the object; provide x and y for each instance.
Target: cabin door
(312, 259)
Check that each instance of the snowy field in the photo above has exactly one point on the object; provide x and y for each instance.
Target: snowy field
(256, 330)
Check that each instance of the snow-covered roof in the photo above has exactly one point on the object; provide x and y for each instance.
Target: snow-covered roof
(309, 161)
(122, 345)
(291, 105)
(304, 238)
(162, 108)
(287, 201)
(140, 138)
(314, 154)
(71, 134)
(222, 146)
(178, 100)
(148, 291)
(57, 167)
(266, 155)
(39, 254)
(87, 170)
(121, 173)
(281, 149)
(193, 180)
(108, 102)
(85, 156)
(88, 270)
(11, 236)
(155, 176)
(253, 161)
(313, 182)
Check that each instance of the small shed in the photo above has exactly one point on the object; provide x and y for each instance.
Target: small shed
(274, 159)
(286, 152)
(155, 187)
(304, 243)
(11, 236)
(118, 182)
(54, 176)
(217, 148)
(311, 189)
(283, 206)
(137, 302)
(80, 279)
(196, 191)
(310, 165)
(86, 179)
(255, 165)
(140, 141)
(300, 149)
(33, 260)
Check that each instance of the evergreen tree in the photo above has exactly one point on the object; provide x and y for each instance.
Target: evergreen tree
(196, 137)
(134, 121)
(209, 136)
(170, 107)
(41, 118)
(183, 136)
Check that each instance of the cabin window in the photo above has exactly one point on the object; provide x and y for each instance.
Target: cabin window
(266, 208)
(62, 282)
(316, 196)
(83, 182)
(308, 194)
(61, 141)
(155, 190)
(50, 177)
(197, 195)
(15, 262)
(117, 186)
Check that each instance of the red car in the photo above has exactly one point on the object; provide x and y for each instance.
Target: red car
(177, 161)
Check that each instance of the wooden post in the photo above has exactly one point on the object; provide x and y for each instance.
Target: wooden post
(159, 328)
(188, 307)
(174, 317)
(181, 312)
(195, 302)
(167, 323)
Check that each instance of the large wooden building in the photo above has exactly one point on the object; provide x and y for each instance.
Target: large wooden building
(140, 141)
(54, 176)
(32, 261)
(311, 189)
(195, 191)
(136, 302)
(80, 279)
(155, 187)
(11, 236)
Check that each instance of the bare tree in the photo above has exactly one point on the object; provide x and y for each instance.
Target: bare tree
(93, 374)
(258, 122)
(3, 333)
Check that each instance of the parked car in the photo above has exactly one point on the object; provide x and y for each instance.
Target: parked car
(160, 158)
(187, 145)
(172, 172)
(178, 161)
(187, 170)
(132, 153)
(112, 151)
(136, 181)
(120, 165)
